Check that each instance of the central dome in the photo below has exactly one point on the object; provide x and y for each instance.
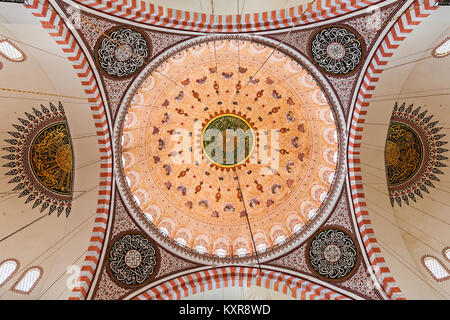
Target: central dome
(210, 138)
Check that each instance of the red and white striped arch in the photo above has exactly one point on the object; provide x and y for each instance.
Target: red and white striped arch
(408, 21)
(56, 27)
(146, 12)
(217, 278)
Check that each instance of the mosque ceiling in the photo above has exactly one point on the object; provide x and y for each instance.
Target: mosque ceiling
(168, 90)
(281, 201)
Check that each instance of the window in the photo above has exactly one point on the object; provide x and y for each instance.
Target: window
(7, 270)
(436, 269)
(322, 197)
(280, 239)
(297, 227)
(446, 253)
(200, 249)
(28, 281)
(221, 252)
(312, 213)
(241, 252)
(443, 49)
(10, 51)
(261, 247)
(148, 216)
(138, 201)
(330, 178)
(164, 231)
(128, 181)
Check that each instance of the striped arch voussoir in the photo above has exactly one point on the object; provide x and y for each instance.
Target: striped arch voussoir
(52, 22)
(145, 12)
(408, 21)
(217, 278)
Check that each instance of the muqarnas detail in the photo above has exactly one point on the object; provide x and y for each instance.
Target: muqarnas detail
(413, 154)
(41, 159)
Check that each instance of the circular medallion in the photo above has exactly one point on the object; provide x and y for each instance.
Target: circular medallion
(336, 50)
(228, 140)
(123, 52)
(332, 254)
(132, 259)
(413, 154)
(192, 185)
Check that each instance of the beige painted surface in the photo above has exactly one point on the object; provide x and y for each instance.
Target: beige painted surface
(52, 243)
(405, 234)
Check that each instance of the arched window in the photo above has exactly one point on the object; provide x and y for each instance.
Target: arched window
(200, 249)
(436, 269)
(10, 51)
(280, 239)
(297, 227)
(443, 49)
(446, 253)
(138, 201)
(261, 247)
(221, 252)
(7, 270)
(28, 281)
(164, 231)
(241, 252)
(148, 216)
